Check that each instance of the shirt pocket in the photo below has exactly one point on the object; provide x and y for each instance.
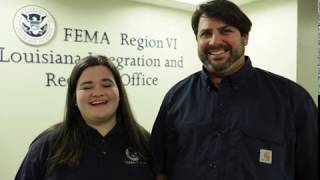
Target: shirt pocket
(264, 154)
(189, 144)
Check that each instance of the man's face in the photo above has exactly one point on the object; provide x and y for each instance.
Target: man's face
(220, 46)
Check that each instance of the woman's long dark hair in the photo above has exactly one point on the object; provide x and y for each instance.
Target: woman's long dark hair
(72, 140)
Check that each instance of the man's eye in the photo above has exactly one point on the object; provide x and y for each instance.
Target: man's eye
(226, 31)
(205, 34)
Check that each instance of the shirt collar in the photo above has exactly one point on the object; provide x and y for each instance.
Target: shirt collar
(236, 79)
(118, 128)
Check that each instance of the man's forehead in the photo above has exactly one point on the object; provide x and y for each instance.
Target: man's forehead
(206, 20)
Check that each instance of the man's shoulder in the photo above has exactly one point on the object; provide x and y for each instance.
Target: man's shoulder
(187, 81)
(280, 82)
(270, 74)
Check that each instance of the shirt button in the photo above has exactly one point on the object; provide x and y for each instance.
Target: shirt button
(212, 165)
(104, 152)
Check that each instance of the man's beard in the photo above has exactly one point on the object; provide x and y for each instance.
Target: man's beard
(220, 70)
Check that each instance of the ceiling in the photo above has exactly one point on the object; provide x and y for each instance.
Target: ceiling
(183, 6)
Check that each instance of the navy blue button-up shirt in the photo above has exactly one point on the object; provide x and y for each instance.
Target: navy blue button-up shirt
(255, 126)
(107, 158)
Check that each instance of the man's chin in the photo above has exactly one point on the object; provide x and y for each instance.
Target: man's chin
(219, 70)
(218, 65)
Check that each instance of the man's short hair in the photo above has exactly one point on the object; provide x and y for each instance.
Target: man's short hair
(224, 10)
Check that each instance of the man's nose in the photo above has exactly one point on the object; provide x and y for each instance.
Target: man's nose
(215, 39)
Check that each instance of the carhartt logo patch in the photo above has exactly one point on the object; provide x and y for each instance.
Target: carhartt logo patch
(265, 156)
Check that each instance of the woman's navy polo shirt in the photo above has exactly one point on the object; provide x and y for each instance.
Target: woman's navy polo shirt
(108, 158)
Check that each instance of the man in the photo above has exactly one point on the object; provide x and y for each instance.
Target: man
(232, 121)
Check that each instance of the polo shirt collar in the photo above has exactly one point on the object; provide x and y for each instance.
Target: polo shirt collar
(236, 79)
(118, 128)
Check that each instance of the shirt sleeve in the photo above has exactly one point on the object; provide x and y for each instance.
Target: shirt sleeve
(307, 145)
(159, 142)
(33, 165)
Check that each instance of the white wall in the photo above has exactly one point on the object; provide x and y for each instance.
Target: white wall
(273, 39)
(283, 39)
(307, 46)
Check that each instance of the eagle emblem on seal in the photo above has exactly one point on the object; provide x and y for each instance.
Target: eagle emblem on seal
(34, 24)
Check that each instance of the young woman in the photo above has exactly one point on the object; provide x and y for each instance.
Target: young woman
(98, 138)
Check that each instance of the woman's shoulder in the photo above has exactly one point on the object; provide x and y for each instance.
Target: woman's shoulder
(45, 139)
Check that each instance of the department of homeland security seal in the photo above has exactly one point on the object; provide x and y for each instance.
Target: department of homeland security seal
(34, 25)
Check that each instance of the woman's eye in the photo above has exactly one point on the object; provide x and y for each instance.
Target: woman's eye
(107, 85)
(85, 88)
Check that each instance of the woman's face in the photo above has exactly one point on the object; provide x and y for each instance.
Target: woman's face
(97, 96)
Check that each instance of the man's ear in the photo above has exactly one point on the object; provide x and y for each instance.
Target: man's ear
(245, 38)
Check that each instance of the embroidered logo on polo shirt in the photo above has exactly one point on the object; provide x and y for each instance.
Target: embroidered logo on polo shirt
(133, 157)
(265, 156)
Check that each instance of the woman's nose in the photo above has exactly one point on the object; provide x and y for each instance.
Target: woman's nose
(97, 92)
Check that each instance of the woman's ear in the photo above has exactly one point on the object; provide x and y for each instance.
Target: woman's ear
(74, 99)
